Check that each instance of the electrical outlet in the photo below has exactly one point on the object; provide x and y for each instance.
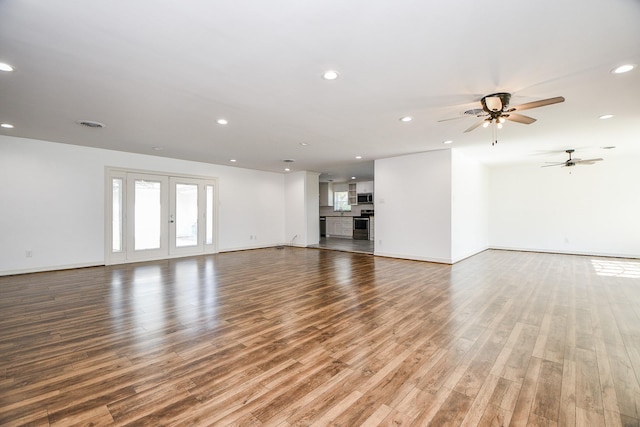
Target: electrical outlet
(29, 253)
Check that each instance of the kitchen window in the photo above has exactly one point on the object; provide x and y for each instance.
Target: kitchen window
(341, 201)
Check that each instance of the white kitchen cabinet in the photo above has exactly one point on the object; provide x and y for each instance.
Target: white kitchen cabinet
(364, 187)
(338, 226)
(326, 194)
(331, 226)
(353, 194)
(347, 227)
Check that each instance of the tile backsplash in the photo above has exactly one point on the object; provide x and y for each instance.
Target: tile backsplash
(355, 210)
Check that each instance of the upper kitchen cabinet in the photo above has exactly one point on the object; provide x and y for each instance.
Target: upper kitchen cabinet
(326, 194)
(364, 187)
(353, 198)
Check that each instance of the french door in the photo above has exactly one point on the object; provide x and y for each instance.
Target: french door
(153, 216)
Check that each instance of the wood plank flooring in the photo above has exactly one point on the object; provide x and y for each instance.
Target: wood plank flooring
(346, 245)
(293, 336)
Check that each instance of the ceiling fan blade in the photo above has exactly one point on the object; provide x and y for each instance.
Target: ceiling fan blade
(474, 126)
(587, 161)
(555, 164)
(452, 118)
(536, 104)
(477, 112)
(519, 118)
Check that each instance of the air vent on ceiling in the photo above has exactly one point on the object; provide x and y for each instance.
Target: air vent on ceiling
(288, 160)
(90, 124)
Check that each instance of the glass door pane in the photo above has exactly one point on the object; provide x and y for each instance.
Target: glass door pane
(186, 233)
(147, 219)
(147, 215)
(209, 215)
(116, 214)
(186, 220)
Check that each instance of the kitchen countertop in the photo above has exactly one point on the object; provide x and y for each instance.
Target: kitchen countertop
(343, 216)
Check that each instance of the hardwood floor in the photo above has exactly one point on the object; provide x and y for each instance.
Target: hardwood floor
(312, 337)
(345, 245)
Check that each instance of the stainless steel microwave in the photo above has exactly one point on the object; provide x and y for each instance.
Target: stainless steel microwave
(365, 198)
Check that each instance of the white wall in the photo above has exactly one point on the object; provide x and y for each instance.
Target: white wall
(583, 210)
(312, 206)
(52, 202)
(295, 224)
(469, 206)
(413, 206)
(302, 205)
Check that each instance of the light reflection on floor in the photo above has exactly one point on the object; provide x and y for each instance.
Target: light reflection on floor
(615, 268)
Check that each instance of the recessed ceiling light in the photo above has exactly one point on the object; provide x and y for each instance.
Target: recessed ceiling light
(222, 121)
(287, 169)
(330, 75)
(158, 148)
(5, 67)
(304, 144)
(606, 116)
(232, 160)
(623, 69)
(406, 119)
(7, 125)
(353, 177)
(358, 157)
(447, 142)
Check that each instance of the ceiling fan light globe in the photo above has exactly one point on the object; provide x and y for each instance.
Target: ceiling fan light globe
(493, 103)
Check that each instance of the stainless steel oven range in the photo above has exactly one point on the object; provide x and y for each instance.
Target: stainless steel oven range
(361, 225)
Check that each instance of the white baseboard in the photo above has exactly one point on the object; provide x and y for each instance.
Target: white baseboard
(556, 251)
(248, 248)
(413, 257)
(50, 268)
(469, 254)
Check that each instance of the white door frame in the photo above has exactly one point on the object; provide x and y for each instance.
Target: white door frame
(130, 204)
(126, 254)
(202, 245)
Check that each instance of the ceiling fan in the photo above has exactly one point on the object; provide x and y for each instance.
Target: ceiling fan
(495, 109)
(571, 161)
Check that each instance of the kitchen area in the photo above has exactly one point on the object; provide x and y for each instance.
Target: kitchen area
(347, 217)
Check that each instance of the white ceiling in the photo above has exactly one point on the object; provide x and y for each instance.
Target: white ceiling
(160, 73)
